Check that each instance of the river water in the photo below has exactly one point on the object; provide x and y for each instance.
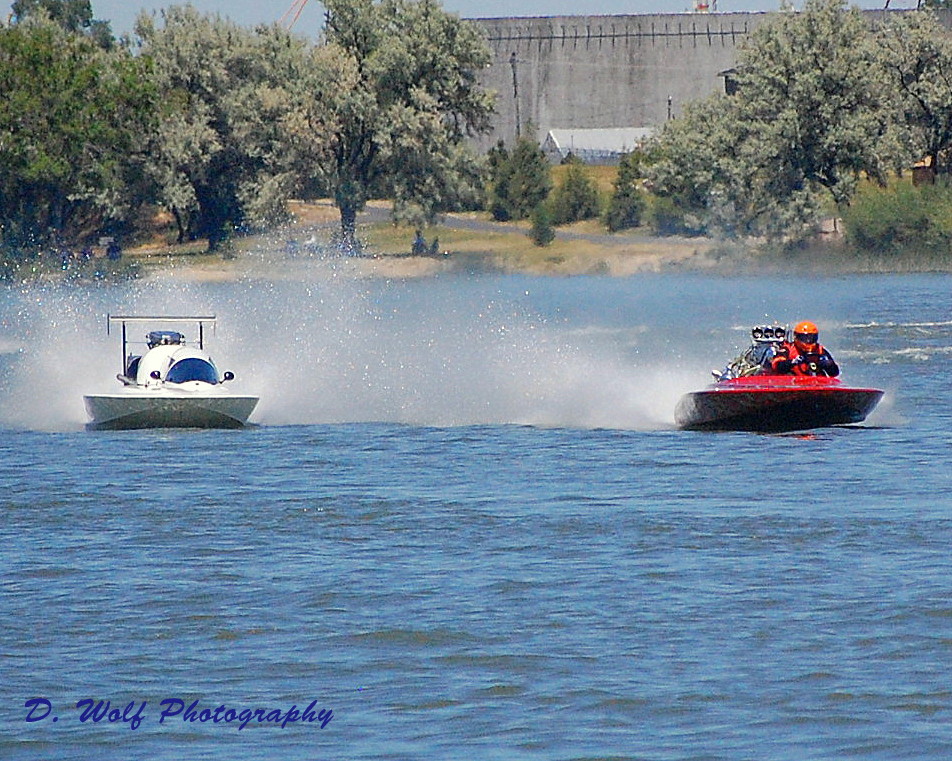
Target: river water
(464, 527)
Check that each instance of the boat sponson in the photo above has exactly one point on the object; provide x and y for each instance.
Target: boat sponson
(124, 412)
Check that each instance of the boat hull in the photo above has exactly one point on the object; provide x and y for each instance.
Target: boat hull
(124, 411)
(775, 404)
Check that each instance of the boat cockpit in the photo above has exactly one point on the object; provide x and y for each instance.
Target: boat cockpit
(192, 369)
(168, 358)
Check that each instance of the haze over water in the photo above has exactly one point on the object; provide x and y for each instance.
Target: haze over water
(465, 523)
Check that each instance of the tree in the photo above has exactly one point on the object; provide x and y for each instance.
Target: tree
(521, 180)
(576, 197)
(497, 160)
(219, 157)
(409, 98)
(916, 53)
(71, 125)
(542, 231)
(695, 169)
(73, 15)
(812, 100)
(810, 116)
(627, 203)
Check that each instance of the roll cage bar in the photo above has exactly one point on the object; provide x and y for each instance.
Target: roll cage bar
(201, 321)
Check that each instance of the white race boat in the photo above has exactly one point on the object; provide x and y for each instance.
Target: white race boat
(171, 385)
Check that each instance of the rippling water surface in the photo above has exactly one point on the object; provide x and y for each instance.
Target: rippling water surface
(465, 525)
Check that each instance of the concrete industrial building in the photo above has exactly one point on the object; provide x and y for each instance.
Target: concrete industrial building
(598, 72)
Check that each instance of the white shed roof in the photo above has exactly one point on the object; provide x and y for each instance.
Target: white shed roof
(601, 140)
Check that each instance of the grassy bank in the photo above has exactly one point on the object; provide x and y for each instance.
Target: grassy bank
(583, 248)
(511, 251)
(473, 243)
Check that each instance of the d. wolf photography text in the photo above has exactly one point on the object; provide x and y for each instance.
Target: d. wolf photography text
(177, 710)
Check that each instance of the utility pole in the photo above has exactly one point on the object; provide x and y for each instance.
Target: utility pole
(515, 93)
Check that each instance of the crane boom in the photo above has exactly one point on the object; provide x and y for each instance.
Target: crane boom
(292, 13)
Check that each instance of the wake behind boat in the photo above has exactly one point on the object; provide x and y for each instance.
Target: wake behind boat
(748, 396)
(171, 385)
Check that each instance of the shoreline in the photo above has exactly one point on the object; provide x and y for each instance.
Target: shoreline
(469, 243)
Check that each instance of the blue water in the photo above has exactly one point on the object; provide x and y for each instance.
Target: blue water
(465, 525)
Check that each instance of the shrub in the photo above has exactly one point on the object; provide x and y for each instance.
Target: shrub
(666, 217)
(901, 217)
(627, 204)
(542, 232)
(521, 180)
(576, 198)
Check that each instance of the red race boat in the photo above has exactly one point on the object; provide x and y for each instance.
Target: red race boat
(746, 397)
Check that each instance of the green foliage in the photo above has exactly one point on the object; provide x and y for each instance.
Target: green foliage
(813, 113)
(901, 218)
(813, 98)
(627, 204)
(576, 197)
(397, 122)
(72, 15)
(915, 52)
(667, 218)
(695, 165)
(71, 125)
(218, 155)
(521, 180)
(499, 166)
(542, 231)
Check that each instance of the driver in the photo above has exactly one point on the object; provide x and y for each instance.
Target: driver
(805, 355)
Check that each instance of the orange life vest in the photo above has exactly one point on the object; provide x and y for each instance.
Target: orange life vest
(788, 352)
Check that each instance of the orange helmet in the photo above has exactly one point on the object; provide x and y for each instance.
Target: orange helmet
(806, 333)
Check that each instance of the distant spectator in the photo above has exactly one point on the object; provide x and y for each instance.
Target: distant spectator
(419, 244)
